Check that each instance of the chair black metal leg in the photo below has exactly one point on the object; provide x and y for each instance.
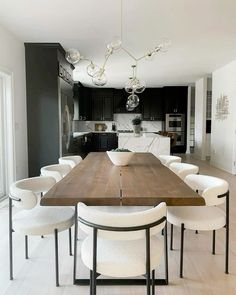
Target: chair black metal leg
(70, 243)
(94, 261)
(10, 240)
(75, 245)
(227, 236)
(196, 232)
(166, 254)
(153, 282)
(171, 236)
(227, 251)
(91, 282)
(26, 248)
(214, 242)
(56, 257)
(181, 250)
(148, 260)
(42, 237)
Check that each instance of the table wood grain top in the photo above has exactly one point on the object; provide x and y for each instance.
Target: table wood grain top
(145, 182)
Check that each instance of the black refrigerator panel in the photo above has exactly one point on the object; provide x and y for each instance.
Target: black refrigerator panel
(66, 118)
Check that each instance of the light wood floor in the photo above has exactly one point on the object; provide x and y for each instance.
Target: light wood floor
(203, 272)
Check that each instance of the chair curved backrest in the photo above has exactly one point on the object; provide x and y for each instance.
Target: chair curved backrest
(24, 192)
(70, 160)
(209, 187)
(168, 159)
(58, 171)
(122, 220)
(183, 169)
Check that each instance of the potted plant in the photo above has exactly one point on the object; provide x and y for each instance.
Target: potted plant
(137, 124)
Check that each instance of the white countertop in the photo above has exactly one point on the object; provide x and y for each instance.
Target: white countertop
(77, 134)
(142, 134)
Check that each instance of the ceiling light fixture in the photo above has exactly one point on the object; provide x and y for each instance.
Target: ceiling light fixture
(134, 85)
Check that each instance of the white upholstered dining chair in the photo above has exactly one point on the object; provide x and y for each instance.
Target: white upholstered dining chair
(183, 169)
(34, 220)
(70, 160)
(168, 159)
(215, 191)
(57, 171)
(122, 244)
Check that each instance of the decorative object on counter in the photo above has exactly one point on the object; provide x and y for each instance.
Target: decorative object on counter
(120, 157)
(98, 72)
(222, 108)
(137, 124)
(100, 127)
(120, 150)
(113, 127)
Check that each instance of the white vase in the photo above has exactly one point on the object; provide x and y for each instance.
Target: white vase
(137, 129)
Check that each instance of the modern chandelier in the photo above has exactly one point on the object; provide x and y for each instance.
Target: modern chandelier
(134, 85)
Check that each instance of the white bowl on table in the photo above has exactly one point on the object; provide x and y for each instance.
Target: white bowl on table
(120, 158)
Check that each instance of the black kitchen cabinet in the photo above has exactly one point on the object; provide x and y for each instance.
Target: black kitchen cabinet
(104, 141)
(102, 104)
(120, 99)
(48, 84)
(83, 145)
(152, 104)
(175, 99)
(82, 97)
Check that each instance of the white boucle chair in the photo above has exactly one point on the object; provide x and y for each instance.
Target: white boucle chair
(122, 244)
(215, 191)
(70, 160)
(167, 159)
(35, 220)
(183, 169)
(57, 171)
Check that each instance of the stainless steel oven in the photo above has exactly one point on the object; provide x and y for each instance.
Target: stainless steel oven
(176, 123)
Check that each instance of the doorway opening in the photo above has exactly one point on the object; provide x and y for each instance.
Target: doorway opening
(7, 150)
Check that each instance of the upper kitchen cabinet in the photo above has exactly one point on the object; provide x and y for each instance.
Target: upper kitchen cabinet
(175, 99)
(48, 85)
(120, 99)
(82, 98)
(102, 104)
(152, 104)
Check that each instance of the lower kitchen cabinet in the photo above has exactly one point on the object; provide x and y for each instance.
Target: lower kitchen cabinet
(104, 141)
(82, 145)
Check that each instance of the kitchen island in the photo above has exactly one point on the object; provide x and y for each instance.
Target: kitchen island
(146, 142)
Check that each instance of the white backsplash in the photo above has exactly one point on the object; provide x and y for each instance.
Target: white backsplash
(122, 121)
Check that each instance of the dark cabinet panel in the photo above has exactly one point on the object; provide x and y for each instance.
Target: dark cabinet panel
(102, 104)
(175, 99)
(102, 142)
(97, 108)
(44, 63)
(82, 97)
(108, 108)
(152, 104)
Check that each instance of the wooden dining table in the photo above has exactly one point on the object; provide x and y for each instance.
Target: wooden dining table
(97, 182)
(144, 182)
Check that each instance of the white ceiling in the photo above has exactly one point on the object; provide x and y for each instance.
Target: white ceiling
(203, 34)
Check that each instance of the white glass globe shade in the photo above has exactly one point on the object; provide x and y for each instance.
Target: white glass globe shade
(133, 100)
(92, 69)
(73, 56)
(99, 79)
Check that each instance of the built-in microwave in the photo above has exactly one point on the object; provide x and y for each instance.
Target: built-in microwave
(175, 122)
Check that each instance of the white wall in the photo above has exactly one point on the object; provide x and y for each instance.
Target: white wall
(200, 118)
(223, 134)
(12, 59)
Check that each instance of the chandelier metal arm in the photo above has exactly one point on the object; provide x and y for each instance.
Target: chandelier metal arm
(131, 55)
